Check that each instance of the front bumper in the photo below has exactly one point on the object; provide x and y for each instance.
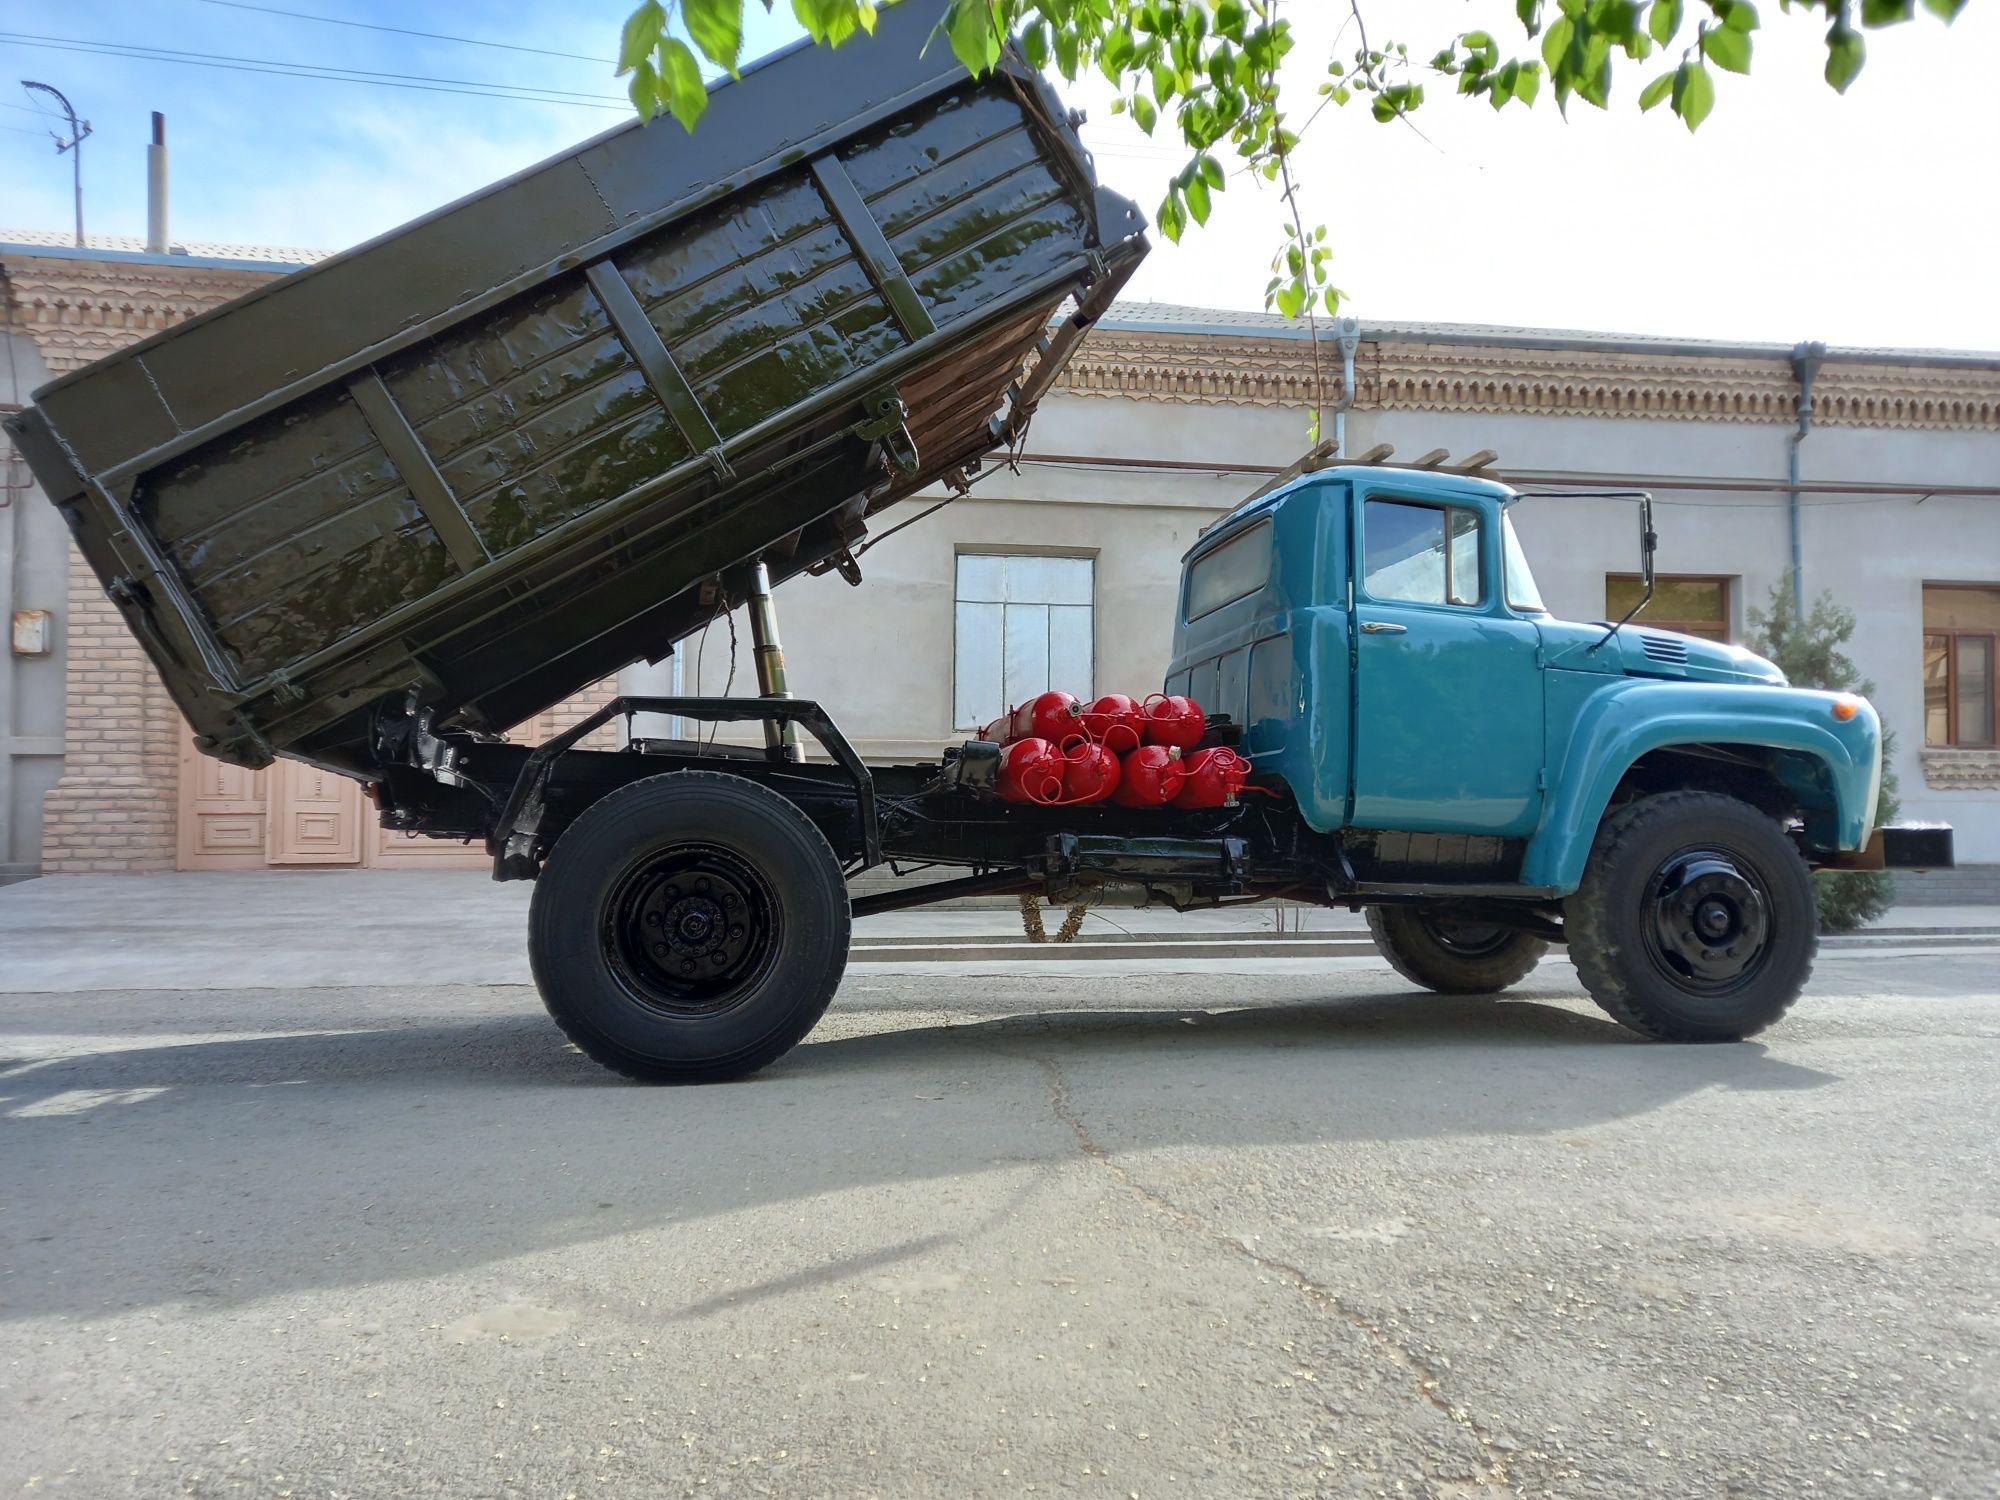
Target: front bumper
(1903, 846)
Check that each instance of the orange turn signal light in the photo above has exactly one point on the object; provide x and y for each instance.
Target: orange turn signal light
(1846, 708)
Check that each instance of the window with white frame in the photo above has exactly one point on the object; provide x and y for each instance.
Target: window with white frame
(1023, 626)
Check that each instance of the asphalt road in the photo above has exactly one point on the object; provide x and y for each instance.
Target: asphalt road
(1113, 1233)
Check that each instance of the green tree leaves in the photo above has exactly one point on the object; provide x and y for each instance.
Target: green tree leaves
(664, 72)
(1845, 53)
(1808, 651)
(1726, 48)
(1210, 64)
(717, 28)
(1693, 93)
(978, 31)
(1209, 69)
(642, 34)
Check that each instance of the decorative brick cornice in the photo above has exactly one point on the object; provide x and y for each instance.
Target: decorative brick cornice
(1400, 375)
(1889, 395)
(1195, 368)
(1961, 770)
(79, 310)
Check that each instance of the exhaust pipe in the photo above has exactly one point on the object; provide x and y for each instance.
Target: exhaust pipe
(156, 187)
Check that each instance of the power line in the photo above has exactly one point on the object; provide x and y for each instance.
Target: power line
(435, 36)
(148, 49)
(526, 93)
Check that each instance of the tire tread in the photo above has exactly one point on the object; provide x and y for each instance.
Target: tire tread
(1592, 925)
(1445, 973)
(542, 915)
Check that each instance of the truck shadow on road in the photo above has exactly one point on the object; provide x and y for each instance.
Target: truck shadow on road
(220, 1171)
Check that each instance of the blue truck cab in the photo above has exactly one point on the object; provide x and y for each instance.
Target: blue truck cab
(1378, 634)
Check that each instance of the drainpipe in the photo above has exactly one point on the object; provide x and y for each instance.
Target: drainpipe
(1349, 330)
(1806, 360)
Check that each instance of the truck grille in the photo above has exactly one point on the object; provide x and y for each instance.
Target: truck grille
(1664, 648)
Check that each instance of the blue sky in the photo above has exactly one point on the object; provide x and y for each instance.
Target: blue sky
(1869, 219)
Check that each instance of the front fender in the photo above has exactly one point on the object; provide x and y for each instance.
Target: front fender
(1624, 718)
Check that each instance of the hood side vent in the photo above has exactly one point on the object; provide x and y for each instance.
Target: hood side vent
(1665, 649)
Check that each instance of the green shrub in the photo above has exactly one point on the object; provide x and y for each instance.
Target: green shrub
(1808, 652)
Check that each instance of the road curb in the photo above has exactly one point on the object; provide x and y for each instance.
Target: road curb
(1132, 947)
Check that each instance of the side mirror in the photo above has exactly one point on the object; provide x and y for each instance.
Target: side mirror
(1648, 541)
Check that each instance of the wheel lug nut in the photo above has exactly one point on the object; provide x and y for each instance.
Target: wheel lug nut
(673, 891)
(736, 931)
(687, 966)
(659, 950)
(652, 919)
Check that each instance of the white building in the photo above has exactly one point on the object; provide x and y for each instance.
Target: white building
(1171, 415)
(1064, 572)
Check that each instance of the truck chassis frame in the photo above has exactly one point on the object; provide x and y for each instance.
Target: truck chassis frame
(518, 800)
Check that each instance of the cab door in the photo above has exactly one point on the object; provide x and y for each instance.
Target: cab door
(1448, 685)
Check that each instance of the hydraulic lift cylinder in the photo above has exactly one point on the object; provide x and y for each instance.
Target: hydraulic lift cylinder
(783, 738)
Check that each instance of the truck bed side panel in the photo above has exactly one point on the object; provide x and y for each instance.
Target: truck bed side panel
(375, 474)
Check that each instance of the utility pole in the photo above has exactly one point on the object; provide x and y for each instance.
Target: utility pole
(77, 131)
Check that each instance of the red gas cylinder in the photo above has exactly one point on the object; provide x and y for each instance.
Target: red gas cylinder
(1150, 776)
(1052, 716)
(1000, 730)
(1117, 721)
(1090, 771)
(1031, 770)
(1174, 720)
(1214, 778)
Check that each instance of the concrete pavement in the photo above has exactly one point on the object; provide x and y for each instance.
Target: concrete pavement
(1237, 1233)
(316, 928)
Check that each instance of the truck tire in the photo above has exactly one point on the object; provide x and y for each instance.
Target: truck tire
(1450, 957)
(689, 928)
(1695, 921)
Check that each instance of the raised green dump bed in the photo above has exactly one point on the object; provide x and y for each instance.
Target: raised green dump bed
(506, 449)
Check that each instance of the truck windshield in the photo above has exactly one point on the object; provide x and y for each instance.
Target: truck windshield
(1521, 590)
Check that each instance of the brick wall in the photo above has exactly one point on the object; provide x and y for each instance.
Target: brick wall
(572, 711)
(115, 806)
(78, 310)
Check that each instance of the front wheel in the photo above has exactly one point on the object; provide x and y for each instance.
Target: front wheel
(1450, 956)
(689, 928)
(1695, 921)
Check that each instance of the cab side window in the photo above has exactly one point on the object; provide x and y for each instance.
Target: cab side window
(1421, 554)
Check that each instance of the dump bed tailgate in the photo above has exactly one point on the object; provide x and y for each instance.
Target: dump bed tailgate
(496, 454)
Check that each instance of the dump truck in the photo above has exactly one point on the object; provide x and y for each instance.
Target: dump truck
(370, 515)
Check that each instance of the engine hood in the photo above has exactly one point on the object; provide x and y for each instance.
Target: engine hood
(1640, 651)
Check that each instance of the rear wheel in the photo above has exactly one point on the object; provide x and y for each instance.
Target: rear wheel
(690, 927)
(1451, 956)
(1695, 921)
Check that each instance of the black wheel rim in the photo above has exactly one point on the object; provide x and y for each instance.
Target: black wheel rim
(1710, 915)
(688, 929)
(1467, 939)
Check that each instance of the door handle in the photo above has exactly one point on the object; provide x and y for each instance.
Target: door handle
(1383, 627)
